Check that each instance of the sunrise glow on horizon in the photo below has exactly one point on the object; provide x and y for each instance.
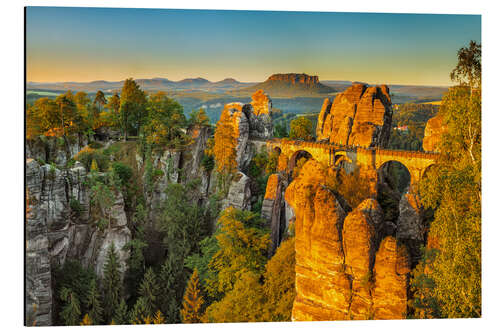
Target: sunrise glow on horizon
(87, 44)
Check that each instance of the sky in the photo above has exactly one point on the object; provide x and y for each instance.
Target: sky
(87, 44)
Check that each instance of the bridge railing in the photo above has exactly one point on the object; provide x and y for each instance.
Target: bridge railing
(355, 148)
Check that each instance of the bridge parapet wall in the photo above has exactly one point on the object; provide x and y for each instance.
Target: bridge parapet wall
(369, 158)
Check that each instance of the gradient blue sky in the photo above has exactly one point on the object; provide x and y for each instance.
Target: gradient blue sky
(86, 44)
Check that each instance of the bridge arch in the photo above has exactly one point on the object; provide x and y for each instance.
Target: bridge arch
(394, 174)
(296, 156)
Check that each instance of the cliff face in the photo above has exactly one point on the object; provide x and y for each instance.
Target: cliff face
(294, 78)
(344, 261)
(434, 129)
(361, 115)
(55, 233)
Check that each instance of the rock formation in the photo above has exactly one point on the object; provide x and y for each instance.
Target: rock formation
(434, 128)
(295, 78)
(290, 85)
(360, 115)
(273, 209)
(341, 272)
(54, 233)
(54, 149)
(239, 193)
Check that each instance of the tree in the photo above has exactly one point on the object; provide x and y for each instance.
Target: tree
(193, 300)
(164, 122)
(132, 107)
(67, 111)
(184, 224)
(112, 284)
(242, 247)
(113, 106)
(199, 118)
(253, 300)
(149, 291)
(448, 282)
(71, 310)
(103, 197)
(224, 148)
(158, 318)
(468, 69)
(93, 303)
(86, 320)
(121, 314)
(301, 128)
(279, 283)
(100, 100)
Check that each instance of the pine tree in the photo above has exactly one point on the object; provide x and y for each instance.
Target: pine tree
(71, 310)
(121, 314)
(112, 284)
(86, 320)
(193, 300)
(138, 313)
(171, 281)
(149, 291)
(158, 318)
(93, 303)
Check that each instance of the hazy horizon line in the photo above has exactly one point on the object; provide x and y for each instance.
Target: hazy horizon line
(234, 78)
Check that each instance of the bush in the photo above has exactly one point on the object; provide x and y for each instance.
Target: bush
(208, 163)
(123, 171)
(95, 145)
(75, 206)
(88, 154)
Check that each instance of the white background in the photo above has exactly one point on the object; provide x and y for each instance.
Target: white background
(12, 161)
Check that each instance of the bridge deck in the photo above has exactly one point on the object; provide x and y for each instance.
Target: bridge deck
(338, 147)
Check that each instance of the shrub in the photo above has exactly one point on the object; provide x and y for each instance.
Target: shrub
(88, 154)
(208, 163)
(75, 206)
(123, 171)
(95, 145)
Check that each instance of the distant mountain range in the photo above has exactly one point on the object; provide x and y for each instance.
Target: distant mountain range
(153, 84)
(290, 85)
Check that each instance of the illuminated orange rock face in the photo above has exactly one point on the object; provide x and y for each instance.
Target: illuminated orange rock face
(361, 115)
(339, 273)
(432, 135)
(391, 280)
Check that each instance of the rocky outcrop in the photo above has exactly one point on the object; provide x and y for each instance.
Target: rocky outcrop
(273, 209)
(295, 78)
(261, 124)
(246, 122)
(359, 116)
(239, 194)
(341, 272)
(434, 129)
(56, 231)
(38, 300)
(53, 149)
(391, 271)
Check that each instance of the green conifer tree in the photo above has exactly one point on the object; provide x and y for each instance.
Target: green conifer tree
(112, 284)
(149, 292)
(121, 314)
(93, 303)
(71, 310)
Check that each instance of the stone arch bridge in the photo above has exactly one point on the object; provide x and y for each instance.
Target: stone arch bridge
(371, 159)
